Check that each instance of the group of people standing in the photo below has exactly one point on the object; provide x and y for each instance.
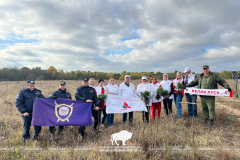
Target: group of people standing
(88, 93)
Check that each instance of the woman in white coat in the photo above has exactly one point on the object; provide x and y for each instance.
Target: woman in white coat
(101, 89)
(156, 104)
(145, 86)
(112, 89)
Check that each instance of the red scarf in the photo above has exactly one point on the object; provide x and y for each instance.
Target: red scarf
(155, 82)
(102, 102)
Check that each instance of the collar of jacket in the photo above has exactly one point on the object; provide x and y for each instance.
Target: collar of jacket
(127, 84)
(210, 73)
(28, 90)
(111, 83)
(62, 91)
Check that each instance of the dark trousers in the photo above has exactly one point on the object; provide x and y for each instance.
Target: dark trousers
(146, 115)
(52, 129)
(167, 106)
(124, 118)
(26, 127)
(95, 115)
(103, 110)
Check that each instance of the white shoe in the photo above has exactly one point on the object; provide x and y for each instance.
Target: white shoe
(102, 125)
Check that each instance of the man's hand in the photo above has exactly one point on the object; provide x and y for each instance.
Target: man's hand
(96, 108)
(229, 89)
(104, 103)
(88, 100)
(25, 114)
(110, 92)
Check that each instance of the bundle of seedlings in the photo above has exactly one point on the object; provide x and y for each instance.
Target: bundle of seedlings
(165, 94)
(180, 87)
(146, 95)
(159, 93)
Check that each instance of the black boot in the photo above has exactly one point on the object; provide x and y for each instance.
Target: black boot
(211, 124)
(205, 121)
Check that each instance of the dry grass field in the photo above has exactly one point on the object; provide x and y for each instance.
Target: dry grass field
(167, 138)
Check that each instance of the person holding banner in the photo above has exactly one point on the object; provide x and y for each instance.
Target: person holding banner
(167, 100)
(101, 89)
(145, 86)
(60, 93)
(112, 89)
(156, 104)
(208, 80)
(127, 89)
(24, 103)
(88, 94)
(192, 98)
(177, 93)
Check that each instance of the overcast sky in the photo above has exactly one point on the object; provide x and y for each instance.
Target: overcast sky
(118, 35)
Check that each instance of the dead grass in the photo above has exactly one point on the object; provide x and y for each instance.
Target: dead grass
(168, 132)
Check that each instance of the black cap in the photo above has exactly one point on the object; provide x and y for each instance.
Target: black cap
(100, 80)
(205, 67)
(85, 79)
(62, 83)
(31, 82)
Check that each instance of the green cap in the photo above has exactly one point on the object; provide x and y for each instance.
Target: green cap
(205, 67)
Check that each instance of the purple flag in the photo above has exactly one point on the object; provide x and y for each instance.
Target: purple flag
(61, 112)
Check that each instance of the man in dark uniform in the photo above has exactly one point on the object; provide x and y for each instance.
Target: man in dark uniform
(24, 103)
(60, 93)
(88, 94)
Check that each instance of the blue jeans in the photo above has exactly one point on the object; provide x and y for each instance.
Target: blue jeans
(124, 118)
(110, 119)
(177, 100)
(192, 108)
(104, 115)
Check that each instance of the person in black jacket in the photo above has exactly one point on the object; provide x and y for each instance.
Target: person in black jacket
(24, 103)
(88, 94)
(60, 93)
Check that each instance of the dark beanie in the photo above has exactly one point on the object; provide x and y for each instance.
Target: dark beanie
(100, 80)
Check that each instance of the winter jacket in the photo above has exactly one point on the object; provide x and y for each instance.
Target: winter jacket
(112, 88)
(167, 85)
(60, 94)
(155, 87)
(145, 87)
(84, 93)
(127, 90)
(25, 99)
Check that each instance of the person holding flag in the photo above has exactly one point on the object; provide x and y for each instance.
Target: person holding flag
(145, 86)
(156, 103)
(88, 94)
(101, 89)
(112, 89)
(167, 100)
(192, 98)
(127, 89)
(24, 103)
(208, 80)
(178, 93)
(60, 93)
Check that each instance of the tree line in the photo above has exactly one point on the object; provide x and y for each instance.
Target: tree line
(37, 73)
